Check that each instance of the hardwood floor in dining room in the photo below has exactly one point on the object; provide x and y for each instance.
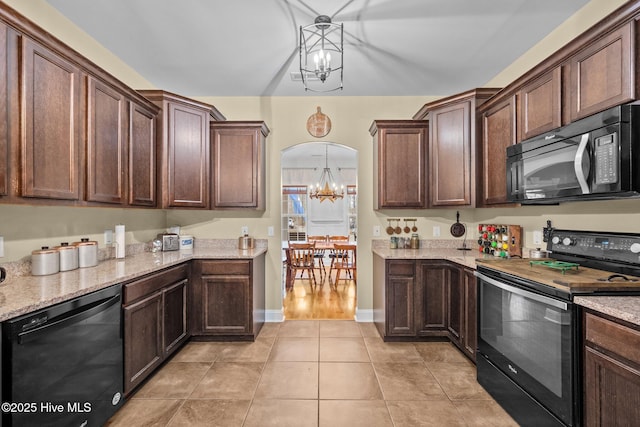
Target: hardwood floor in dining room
(320, 301)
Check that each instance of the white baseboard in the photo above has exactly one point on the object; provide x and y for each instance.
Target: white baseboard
(363, 315)
(274, 316)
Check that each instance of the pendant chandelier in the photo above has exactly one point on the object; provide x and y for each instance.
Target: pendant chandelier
(326, 188)
(321, 55)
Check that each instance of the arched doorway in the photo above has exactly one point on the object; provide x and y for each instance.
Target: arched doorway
(303, 217)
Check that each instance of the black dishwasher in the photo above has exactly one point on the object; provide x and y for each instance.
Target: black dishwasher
(63, 365)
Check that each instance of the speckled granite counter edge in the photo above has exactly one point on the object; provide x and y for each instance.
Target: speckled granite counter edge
(463, 258)
(625, 308)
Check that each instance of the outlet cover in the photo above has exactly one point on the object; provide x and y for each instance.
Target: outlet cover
(108, 237)
(244, 230)
(1, 246)
(270, 231)
(537, 237)
(376, 231)
(436, 231)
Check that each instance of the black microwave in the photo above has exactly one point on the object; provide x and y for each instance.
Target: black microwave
(597, 157)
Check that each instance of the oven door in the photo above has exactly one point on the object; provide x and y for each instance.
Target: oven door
(529, 337)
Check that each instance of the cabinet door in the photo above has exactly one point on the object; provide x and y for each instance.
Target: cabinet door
(188, 168)
(226, 304)
(498, 132)
(4, 113)
(175, 316)
(106, 138)
(402, 173)
(450, 155)
(50, 107)
(431, 304)
(400, 306)
(612, 391)
(540, 105)
(237, 157)
(470, 317)
(602, 74)
(142, 156)
(455, 306)
(143, 339)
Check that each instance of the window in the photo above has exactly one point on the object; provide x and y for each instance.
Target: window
(294, 213)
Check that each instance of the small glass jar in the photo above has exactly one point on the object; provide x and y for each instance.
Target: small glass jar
(156, 245)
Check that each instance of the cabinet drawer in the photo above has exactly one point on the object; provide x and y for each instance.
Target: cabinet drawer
(614, 337)
(226, 267)
(145, 286)
(401, 268)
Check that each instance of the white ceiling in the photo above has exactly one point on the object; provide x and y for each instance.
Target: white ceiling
(315, 155)
(250, 47)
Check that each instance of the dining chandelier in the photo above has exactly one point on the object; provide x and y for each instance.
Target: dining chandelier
(321, 55)
(326, 188)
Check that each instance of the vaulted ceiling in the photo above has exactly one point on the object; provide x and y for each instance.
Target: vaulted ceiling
(250, 47)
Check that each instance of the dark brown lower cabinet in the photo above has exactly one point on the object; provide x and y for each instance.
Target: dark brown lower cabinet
(462, 312)
(400, 300)
(143, 339)
(611, 372)
(228, 299)
(470, 319)
(155, 322)
(421, 299)
(431, 298)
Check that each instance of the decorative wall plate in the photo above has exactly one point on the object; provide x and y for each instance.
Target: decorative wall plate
(319, 124)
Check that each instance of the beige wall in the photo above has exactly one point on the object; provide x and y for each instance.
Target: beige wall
(351, 117)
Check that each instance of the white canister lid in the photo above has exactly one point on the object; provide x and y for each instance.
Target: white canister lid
(43, 250)
(86, 242)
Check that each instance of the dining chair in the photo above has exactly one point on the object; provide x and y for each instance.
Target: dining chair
(319, 254)
(301, 256)
(332, 253)
(345, 260)
(289, 278)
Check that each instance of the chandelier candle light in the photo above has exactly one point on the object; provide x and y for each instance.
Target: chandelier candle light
(326, 188)
(317, 41)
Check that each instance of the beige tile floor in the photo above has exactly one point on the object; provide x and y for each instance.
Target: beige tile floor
(314, 373)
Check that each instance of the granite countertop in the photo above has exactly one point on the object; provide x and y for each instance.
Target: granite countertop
(625, 308)
(23, 294)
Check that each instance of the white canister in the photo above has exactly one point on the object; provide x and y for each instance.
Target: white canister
(87, 252)
(45, 261)
(68, 256)
(186, 242)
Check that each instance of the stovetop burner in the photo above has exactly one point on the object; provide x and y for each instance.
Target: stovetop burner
(558, 265)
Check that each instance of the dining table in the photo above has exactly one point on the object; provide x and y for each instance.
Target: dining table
(319, 245)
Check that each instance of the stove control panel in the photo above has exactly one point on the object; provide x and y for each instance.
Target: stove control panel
(617, 247)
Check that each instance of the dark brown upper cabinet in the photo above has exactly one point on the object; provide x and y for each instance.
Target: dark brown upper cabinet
(4, 112)
(453, 147)
(183, 149)
(602, 74)
(142, 155)
(498, 132)
(51, 149)
(65, 124)
(238, 165)
(106, 143)
(541, 104)
(400, 163)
